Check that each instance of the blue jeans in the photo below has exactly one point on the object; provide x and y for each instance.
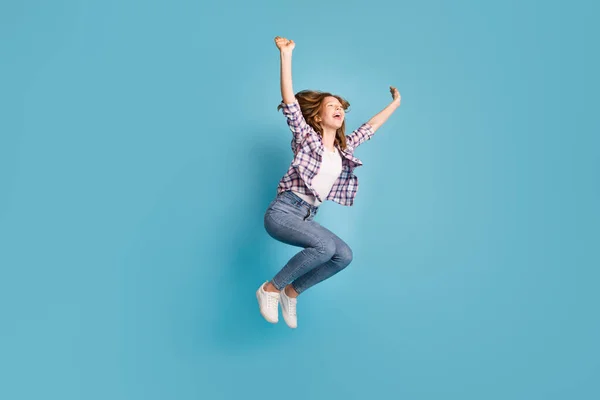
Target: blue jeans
(289, 219)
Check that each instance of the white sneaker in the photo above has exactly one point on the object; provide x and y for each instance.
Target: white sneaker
(268, 302)
(288, 309)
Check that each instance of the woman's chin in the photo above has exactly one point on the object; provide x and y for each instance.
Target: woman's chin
(335, 125)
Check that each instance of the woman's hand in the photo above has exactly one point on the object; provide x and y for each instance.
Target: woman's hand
(284, 45)
(395, 95)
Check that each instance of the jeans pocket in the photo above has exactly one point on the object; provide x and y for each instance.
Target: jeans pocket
(279, 206)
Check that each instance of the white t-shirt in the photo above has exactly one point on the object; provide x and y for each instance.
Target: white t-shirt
(331, 168)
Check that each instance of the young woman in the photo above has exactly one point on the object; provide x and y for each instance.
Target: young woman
(321, 170)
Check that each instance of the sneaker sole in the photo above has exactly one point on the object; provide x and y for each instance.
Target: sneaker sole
(288, 324)
(261, 312)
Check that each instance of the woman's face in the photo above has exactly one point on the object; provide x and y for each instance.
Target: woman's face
(332, 113)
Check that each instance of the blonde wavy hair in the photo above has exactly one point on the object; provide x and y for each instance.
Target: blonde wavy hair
(310, 102)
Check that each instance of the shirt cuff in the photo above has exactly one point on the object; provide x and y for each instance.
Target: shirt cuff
(367, 130)
(290, 109)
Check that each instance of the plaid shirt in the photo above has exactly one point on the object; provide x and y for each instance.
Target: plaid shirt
(308, 148)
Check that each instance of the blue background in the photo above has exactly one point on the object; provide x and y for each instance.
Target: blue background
(140, 146)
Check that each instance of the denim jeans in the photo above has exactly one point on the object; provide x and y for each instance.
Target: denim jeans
(289, 219)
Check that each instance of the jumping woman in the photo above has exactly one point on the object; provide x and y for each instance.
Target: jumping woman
(322, 169)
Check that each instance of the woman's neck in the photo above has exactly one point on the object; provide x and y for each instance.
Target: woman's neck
(329, 138)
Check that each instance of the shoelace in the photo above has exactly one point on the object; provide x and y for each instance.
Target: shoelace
(292, 307)
(272, 301)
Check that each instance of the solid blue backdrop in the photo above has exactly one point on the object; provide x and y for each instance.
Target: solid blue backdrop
(140, 146)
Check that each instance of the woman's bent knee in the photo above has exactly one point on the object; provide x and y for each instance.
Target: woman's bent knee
(327, 248)
(344, 254)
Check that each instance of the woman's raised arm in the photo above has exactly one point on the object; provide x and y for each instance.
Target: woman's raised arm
(367, 130)
(380, 118)
(286, 48)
